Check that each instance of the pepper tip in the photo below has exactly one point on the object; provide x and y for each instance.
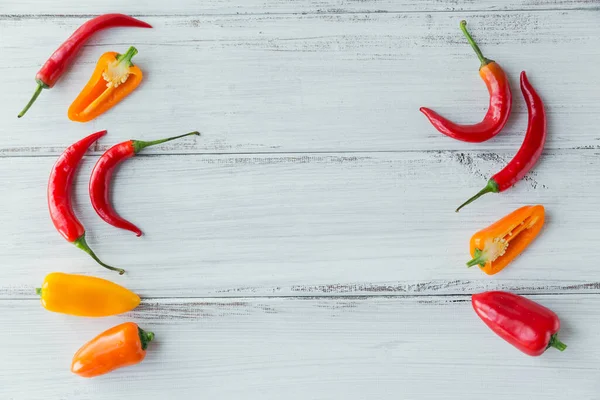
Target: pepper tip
(523, 75)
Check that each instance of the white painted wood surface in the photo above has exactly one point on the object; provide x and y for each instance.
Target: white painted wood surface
(305, 247)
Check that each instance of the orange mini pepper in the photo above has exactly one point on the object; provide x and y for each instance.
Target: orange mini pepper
(494, 247)
(113, 79)
(85, 296)
(120, 346)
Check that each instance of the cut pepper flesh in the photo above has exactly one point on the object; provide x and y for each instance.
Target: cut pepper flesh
(493, 248)
(114, 78)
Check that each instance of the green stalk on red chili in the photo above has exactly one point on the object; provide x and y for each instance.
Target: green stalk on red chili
(530, 150)
(102, 174)
(59, 196)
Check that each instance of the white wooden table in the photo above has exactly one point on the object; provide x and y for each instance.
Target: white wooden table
(306, 245)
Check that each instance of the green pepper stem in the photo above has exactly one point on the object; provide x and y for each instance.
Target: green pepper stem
(491, 187)
(138, 145)
(132, 51)
(36, 94)
(145, 337)
(557, 344)
(38, 291)
(82, 244)
(484, 61)
(478, 259)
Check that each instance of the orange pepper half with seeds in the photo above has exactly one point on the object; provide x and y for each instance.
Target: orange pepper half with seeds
(114, 78)
(494, 247)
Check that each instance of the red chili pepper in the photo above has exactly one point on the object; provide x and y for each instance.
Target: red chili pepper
(530, 150)
(102, 174)
(527, 325)
(59, 196)
(499, 109)
(58, 62)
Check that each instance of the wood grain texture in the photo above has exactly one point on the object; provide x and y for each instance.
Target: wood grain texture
(369, 223)
(310, 83)
(192, 7)
(374, 348)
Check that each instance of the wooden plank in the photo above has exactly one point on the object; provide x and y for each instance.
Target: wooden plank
(191, 7)
(372, 223)
(373, 348)
(306, 83)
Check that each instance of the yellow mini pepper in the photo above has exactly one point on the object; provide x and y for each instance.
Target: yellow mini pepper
(494, 247)
(113, 79)
(85, 296)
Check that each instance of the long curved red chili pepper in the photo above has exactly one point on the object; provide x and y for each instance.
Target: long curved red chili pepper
(58, 62)
(530, 150)
(102, 173)
(59, 196)
(499, 109)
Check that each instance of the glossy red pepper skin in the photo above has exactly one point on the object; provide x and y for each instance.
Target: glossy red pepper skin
(530, 151)
(533, 145)
(100, 180)
(59, 195)
(60, 60)
(527, 325)
(496, 117)
(499, 108)
(100, 185)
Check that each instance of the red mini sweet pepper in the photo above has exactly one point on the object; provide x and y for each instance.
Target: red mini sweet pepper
(527, 325)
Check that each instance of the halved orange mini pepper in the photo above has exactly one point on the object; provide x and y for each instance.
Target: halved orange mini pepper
(113, 79)
(118, 347)
(494, 247)
(85, 296)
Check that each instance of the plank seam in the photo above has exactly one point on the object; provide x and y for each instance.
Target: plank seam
(550, 152)
(318, 12)
(331, 297)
